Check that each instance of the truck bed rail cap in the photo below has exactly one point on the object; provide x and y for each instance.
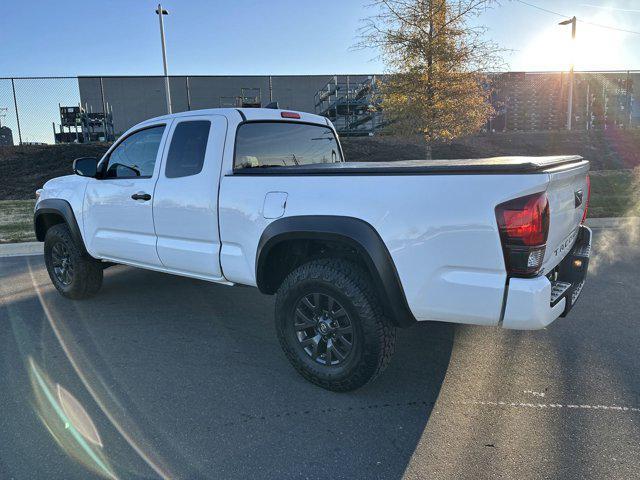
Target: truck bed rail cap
(492, 165)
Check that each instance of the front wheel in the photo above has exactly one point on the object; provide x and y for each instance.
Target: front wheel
(74, 273)
(331, 326)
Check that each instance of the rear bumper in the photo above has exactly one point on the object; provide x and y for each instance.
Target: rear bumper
(533, 303)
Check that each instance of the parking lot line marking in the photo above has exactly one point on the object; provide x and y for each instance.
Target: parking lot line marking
(615, 408)
(534, 393)
(420, 403)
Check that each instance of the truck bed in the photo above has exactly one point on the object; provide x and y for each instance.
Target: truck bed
(487, 166)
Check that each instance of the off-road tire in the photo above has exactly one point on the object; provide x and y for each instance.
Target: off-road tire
(374, 334)
(86, 279)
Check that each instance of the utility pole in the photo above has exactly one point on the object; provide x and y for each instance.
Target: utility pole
(572, 22)
(161, 12)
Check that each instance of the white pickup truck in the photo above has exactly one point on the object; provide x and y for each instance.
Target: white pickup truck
(263, 197)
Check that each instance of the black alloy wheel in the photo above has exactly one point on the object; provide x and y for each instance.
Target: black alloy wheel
(331, 326)
(324, 329)
(73, 272)
(62, 263)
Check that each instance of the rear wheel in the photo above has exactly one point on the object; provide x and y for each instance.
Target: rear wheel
(74, 273)
(331, 326)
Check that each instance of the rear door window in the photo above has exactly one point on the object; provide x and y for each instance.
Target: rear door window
(188, 148)
(265, 144)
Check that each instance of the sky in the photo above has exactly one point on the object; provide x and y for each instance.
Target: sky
(215, 37)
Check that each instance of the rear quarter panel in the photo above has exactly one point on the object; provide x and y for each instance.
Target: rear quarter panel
(440, 231)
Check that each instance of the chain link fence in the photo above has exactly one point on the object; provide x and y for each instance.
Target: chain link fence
(30, 106)
(92, 109)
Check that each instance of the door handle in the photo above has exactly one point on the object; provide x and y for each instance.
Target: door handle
(141, 196)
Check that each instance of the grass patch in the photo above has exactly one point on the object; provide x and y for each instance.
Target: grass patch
(615, 193)
(16, 221)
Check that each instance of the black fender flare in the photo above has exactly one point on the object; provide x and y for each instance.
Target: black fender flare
(61, 208)
(357, 233)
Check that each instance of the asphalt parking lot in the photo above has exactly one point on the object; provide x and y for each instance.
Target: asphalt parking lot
(166, 376)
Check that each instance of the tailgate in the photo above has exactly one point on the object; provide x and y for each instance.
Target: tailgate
(567, 193)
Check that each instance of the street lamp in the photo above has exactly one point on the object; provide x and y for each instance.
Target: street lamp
(161, 12)
(572, 22)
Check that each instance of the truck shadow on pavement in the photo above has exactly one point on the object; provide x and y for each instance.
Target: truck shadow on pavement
(194, 374)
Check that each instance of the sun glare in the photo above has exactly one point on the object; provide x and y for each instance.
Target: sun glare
(593, 49)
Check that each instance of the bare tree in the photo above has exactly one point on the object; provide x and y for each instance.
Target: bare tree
(436, 84)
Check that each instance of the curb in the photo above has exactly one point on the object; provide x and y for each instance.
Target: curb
(36, 248)
(21, 249)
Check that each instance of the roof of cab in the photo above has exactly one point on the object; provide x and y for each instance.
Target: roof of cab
(248, 114)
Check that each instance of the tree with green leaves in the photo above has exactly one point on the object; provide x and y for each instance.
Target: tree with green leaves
(437, 59)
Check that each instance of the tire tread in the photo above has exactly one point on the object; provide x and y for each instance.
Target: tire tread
(87, 270)
(379, 333)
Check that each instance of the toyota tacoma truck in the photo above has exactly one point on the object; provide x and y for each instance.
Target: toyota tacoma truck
(352, 250)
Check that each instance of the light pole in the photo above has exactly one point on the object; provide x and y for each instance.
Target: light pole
(161, 12)
(572, 22)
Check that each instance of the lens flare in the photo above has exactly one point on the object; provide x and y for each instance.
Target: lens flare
(68, 422)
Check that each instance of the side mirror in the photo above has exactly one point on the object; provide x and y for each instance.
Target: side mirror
(86, 166)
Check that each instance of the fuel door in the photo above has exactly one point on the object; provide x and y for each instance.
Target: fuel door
(274, 205)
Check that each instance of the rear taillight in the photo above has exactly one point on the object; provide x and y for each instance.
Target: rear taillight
(586, 204)
(524, 227)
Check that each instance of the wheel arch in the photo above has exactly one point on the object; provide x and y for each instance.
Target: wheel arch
(356, 235)
(53, 211)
